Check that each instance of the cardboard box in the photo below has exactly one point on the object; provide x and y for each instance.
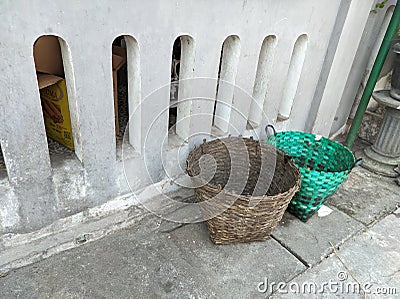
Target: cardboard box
(54, 99)
(47, 56)
(52, 87)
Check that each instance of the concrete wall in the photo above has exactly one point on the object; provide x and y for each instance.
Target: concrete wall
(345, 54)
(365, 57)
(39, 190)
(351, 65)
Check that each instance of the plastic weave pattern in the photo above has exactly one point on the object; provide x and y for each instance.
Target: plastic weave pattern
(324, 165)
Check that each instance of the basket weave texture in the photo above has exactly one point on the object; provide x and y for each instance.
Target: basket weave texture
(324, 165)
(245, 187)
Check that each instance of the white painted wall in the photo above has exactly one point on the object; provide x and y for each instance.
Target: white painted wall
(40, 194)
(367, 51)
(341, 66)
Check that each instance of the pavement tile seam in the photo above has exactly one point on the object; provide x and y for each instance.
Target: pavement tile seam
(308, 226)
(327, 255)
(334, 207)
(291, 251)
(383, 216)
(366, 232)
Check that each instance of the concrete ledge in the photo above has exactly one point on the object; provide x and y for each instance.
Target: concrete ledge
(18, 250)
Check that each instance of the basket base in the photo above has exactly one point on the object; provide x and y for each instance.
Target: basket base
(228, 236)
(223, 241)
(300, 214)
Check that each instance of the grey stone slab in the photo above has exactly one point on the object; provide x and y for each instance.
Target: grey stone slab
(142, 262)
(366, 196)
(237, 269)
(310, 241)
(372, 256)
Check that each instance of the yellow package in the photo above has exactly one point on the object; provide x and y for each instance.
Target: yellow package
(55, 107)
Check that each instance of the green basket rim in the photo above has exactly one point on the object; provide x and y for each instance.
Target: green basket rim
(322, 137)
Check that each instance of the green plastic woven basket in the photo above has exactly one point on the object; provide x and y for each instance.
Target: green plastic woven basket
(324, 165)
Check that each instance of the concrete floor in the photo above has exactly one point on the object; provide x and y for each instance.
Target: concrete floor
(155, 258)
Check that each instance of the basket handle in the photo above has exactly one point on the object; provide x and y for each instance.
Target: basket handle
(273, 129)
(358, 162)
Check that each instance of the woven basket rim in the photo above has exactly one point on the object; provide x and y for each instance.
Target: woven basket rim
(345, 148)
(219, 188)
(251, 197)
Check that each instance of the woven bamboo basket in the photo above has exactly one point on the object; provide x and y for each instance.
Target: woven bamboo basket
(244, 187)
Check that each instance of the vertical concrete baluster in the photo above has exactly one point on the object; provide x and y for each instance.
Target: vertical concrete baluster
(280, 68)
(293, 77)
(262, 80)
(156, 75)
(187, 62)
(208, 50)
(247, 69)
(95, 109)
(134, 92)
(226, 84)
(71, 91)
(24, 140)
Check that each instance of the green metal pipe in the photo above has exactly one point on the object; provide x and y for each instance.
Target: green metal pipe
(373, 77)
